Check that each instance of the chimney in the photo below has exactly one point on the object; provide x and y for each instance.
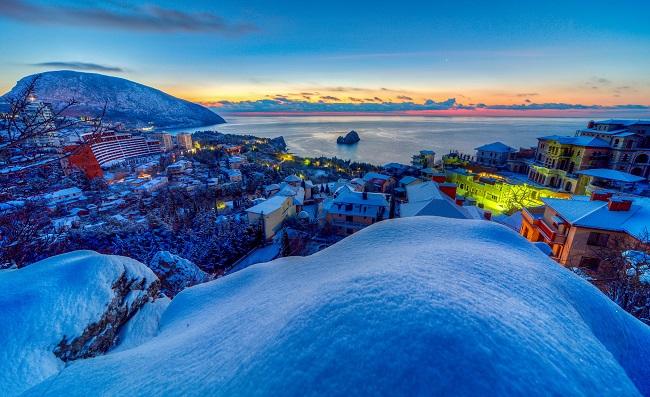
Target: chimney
(601, 195)
(487, 215)
(460, 200)
(449, 189)
(619, 204)
(364, 195)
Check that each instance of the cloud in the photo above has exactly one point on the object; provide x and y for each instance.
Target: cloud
(149, 18)
(404, 98)
(79, 66)
(330, 98)
(372, 105)
(526, 94)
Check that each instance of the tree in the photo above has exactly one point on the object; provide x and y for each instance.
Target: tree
(285, 246)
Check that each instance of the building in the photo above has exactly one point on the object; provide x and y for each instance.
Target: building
(376, 182)
(184, 141)
(432, 199)
(179, 167)
(64, 195)
(495, 154)
(41, 116)
(603, 178)
(112, 147)
(581, 229)
(622, 145)
(234, 176)
(235, 162)
(425, 159)
(629, 142)
(154, 184)
(270, 214)
(499, 192)
(351, 211)
(558, 158)
(81, 157)
(165, 139)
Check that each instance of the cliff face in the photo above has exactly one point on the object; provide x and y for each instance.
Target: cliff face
(126, 101)
(65, 308)
(420, 305)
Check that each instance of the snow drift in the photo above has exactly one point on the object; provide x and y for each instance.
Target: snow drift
(176, 273)
(126, 101)
(64, 308)
(405, 307)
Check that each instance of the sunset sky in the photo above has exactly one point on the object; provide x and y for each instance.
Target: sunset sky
(548, 56)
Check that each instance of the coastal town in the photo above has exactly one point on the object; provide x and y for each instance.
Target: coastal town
(226, 201)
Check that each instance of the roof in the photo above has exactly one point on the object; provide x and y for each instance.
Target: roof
(595, 214)
(427, 199)
(292, 178)
(408, 179)
(496, 147)
(612, 175)
(588, 141)
(375, 175)
(625, 122)
(268, 206)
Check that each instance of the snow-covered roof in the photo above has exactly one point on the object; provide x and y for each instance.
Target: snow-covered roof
(595, 214)
(369, 206)
(233, 172)
(408, 179)
(268, 206)
(375, 175)
(497, 147)
(427, 199)
(587, 141)
(409, 306)
(292, 179)
(612, 175)
(71, 191)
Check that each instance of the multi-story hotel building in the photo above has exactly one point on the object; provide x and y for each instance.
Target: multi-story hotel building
(115, 147)
(184, 141)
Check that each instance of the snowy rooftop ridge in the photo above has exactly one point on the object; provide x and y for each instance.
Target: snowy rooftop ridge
(409, 306)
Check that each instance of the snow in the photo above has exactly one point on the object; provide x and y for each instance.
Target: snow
(416, 306)
(268, 206)
(427, 199)
(612, 175)
(53, 298)
(595, 214)
(176, 273)
(143, 326)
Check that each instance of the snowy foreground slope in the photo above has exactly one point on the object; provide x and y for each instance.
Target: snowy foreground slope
(65, 308)
(415, 306)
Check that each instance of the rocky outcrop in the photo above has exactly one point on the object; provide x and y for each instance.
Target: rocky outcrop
(131, 293)
(279, 143)
(176, 273)
(64, 308)
(349, 139)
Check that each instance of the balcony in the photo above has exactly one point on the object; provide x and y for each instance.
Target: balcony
(535, 216)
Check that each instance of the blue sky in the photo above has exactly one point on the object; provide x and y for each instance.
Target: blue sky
(494, 53)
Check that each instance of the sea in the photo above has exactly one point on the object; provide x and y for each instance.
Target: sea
(394, 138)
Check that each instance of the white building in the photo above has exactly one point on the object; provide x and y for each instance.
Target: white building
(495, 154)
(64, 195)
(271, 213)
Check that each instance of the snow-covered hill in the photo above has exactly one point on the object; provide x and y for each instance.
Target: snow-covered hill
(415, 306)
(64, 308)
(126, 101)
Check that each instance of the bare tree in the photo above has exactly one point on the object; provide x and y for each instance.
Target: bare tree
(29, 129)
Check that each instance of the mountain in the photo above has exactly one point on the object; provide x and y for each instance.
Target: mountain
(127, 102)
(414, 306)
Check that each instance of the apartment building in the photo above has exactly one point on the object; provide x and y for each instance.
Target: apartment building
(580, 230)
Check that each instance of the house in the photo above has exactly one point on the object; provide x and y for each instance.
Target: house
(179, 167)
(351, 211)
(293, 180)
(495, 154)
(376, 182)
(432, 199)
(234, 176)
(64, 195)
(581, 229)
(604, 178)
(271, 213)
(395, 168)
(409, 180)
(154, 184)
(425, 159)
(236, 162)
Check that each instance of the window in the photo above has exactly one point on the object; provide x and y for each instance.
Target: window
(589, 263)
(598, 239)
(348, 218)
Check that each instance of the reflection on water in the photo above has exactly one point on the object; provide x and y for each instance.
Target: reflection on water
(395, 138)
